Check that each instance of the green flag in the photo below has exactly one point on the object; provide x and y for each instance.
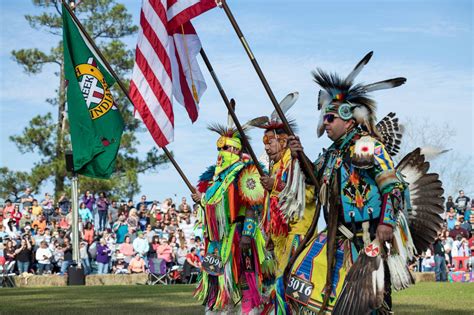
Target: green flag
(95, 122)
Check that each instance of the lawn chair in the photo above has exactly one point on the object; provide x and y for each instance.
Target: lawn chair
(157, 272)
(7, 274)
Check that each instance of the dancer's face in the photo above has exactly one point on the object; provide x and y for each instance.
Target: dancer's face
(336, 127)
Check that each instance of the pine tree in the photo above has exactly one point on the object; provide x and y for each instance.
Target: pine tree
(47, 136)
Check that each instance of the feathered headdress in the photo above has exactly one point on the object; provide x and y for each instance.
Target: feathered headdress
(274, 122)
(230, 135)
(349, 101)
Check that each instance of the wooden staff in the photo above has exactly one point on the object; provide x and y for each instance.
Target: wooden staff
(304, 161)
(125, 91)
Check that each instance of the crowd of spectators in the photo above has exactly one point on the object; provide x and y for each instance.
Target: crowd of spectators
(115, 236)
(121, 237)
(453, 250)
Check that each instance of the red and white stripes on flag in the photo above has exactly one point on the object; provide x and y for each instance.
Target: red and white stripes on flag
(166, 64)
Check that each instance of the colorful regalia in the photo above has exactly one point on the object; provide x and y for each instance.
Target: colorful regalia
(289, 204)
(344, 269)
(232, 198)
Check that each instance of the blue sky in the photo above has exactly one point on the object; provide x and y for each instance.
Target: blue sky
(428, 42)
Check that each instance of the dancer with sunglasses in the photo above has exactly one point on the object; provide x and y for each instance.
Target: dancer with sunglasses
(231, 195)
(350, 267)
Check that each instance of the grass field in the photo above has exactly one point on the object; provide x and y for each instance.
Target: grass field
(424, 298)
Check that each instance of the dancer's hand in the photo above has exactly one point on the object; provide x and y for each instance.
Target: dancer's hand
(245, 242)
(384, 233)
(196, 197)
(295, 145)
(267, 182)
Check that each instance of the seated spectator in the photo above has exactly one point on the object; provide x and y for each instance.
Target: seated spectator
(64, 223)
(458, 230)
(3, 234)
(460, 247)
(464, 224)
(137, 264)
(192, 264)
(11, 229)
(58, 256)
(56, 216)
(39, 224)
(182, 254)
(149, 233)
(120, 266)
(126, 248)
(103, 257)
(165, 252)
(9, 252)
(155, 242)
(428, 262)
(25, 220)
(120, 228)
(16, 215)
(43, 256)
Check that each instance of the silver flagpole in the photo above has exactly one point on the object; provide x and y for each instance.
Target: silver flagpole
(75, 222)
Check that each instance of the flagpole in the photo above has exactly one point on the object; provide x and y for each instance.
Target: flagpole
(304, 161)
(124, 90)
(232, 112)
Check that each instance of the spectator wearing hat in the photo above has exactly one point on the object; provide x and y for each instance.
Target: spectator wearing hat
(120, 266)
(140, 245)
(458, 230)
(464, 224)
(137, 264)
(10, 228)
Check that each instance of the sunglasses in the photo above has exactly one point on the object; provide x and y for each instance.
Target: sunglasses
(330, 117)
(225, 148)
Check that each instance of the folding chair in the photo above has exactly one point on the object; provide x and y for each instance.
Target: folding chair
(157, 272)
(7, 274)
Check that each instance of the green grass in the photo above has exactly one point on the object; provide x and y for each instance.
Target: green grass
(424, 298)
(435, 298)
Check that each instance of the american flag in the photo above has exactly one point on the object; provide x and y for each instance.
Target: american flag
(166, 64)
